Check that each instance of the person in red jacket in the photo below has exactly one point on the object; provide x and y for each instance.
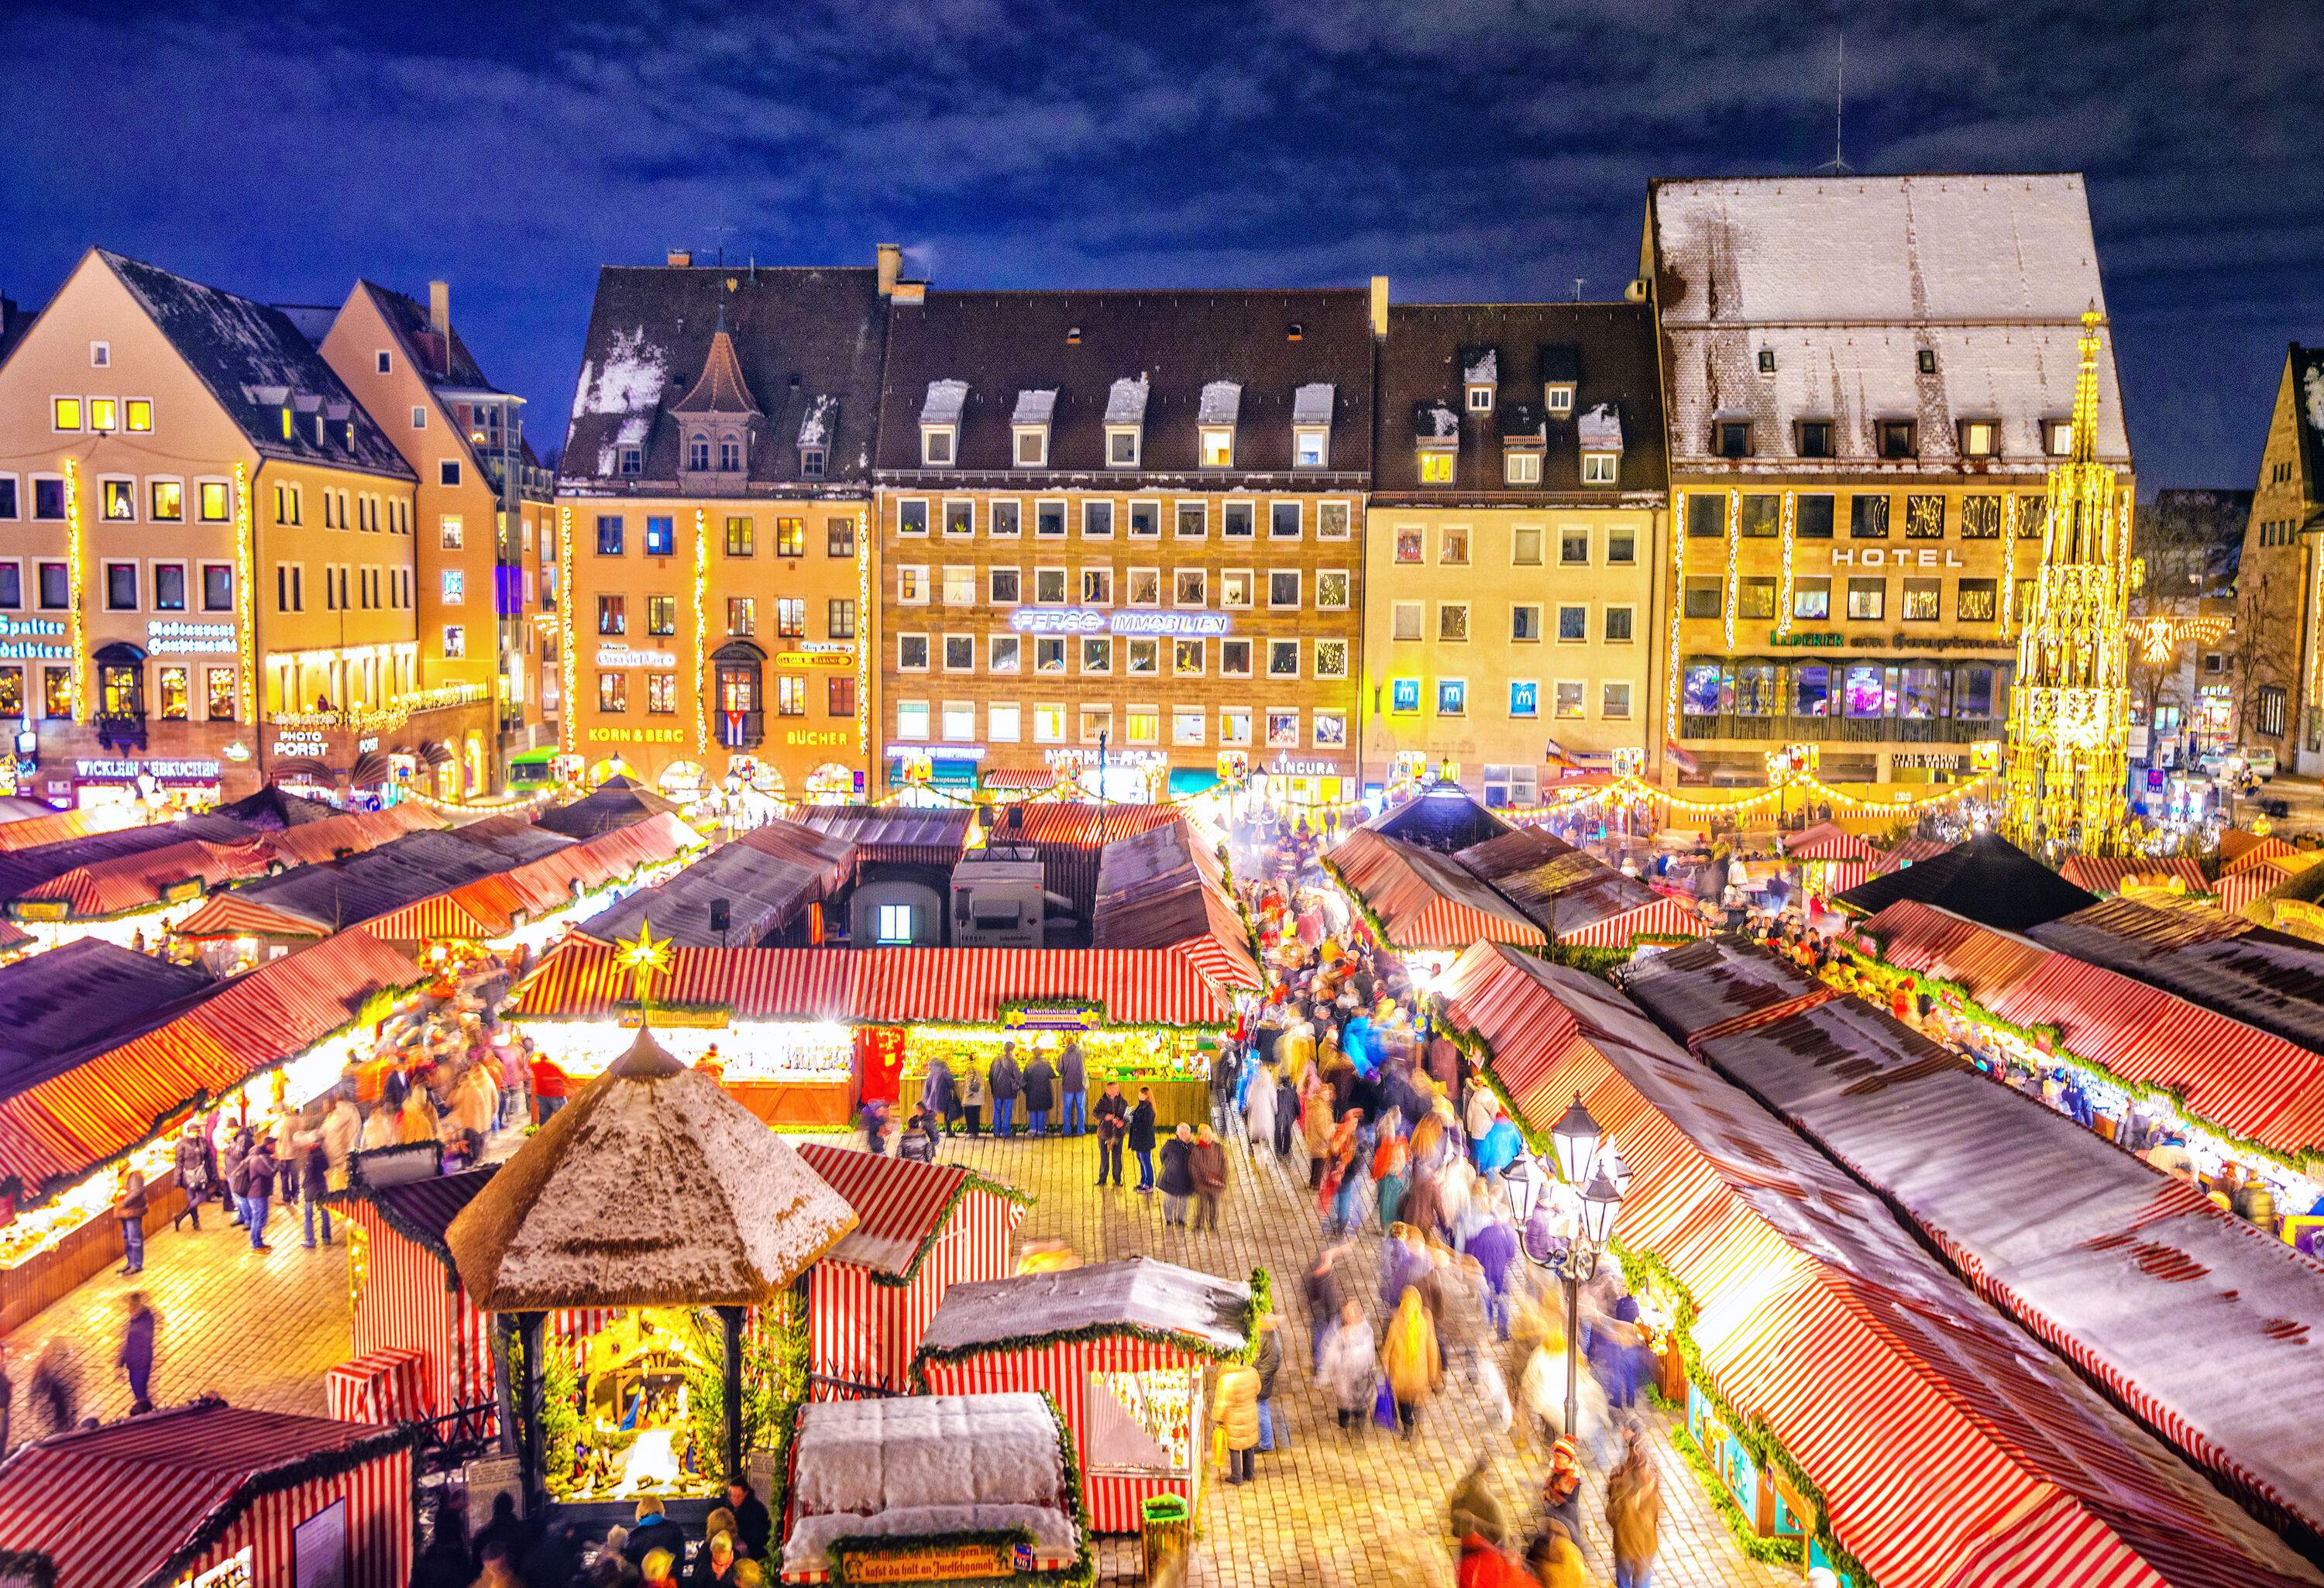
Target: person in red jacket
(550, 1087)
(1484, 1566)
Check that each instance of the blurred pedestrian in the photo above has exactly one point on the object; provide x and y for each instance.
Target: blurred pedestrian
(1348, 1366)
(1112, 1125)
(1206, 1161)
(1178, 1180)
(1633, 1512)
(136, 1353)
(129, 1211)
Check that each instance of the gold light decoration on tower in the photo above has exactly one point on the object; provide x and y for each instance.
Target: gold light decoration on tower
(2067, 789)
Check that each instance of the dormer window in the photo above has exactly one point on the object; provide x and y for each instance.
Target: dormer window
(1925, 360)
(1600, 435)
(1028, 427)
(1311, 425)
(730, 453)
(1436, 441)
(1815, 437)
(1125, 421)
(1896, 439)
(632, 461)
(1767, 360)
(1521, 468)
(1216, 415)
(1121, 446)
(1480, 378)
(1602, 468)
(1557, 396)
(940, 422)
(698, 453)
(1979, 438)
(811, 462)
(1733, 437)
(2058, 437)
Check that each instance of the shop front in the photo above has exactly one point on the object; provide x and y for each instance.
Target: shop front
(1285, 779)
(161, 783)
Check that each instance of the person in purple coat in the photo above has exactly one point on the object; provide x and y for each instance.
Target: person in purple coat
(1495, 1248)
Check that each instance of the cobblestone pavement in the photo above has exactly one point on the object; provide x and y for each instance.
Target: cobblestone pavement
(258, 1327)
(1335, 1510)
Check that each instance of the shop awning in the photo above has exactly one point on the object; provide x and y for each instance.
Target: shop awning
(1424, 900)
(2106, 874)
(1036, 780)
(1947, 1455)
(900, 1206)
(1185, 780)
(2242, 1081)
(580, 980)
(2237, 848)
(436, 753)
(373, 770)
(2166, 1298)
(1667, 916)
(300, 769)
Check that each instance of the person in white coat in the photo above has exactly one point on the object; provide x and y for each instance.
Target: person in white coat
(1259, 1112)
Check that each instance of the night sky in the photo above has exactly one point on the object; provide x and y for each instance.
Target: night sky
(1477, 151)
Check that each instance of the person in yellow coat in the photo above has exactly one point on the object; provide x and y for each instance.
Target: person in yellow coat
(1411, 1358)
(1238, 1416)
(417, 1121)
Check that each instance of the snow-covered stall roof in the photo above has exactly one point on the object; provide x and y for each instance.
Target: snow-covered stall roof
(925, 1465)
(1036, 405)
(1201, 1311)
(1311, 404)
(1848, 280)
(1221, 403)
(1125, 403)
(946, 400)
(654, 1187)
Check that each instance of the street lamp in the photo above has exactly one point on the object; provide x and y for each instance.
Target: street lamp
(1588, 1163)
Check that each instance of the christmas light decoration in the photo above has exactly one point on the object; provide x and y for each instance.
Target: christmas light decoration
(701, 633)
(246, 595)
(80, 625)
(2158, 636)
(2069, 704)
(568, 728)
(1784, 591)
(1677, 605)
(864, 641)
(1734, 556)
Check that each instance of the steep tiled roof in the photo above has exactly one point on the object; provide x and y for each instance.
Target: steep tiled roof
(250, 354)
(2307, 415)
(1607, 349)
(407, 317)
(1188, 346)
(808, 342)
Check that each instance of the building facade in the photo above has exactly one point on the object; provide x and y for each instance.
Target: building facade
(1866, 381)
(714, 523)
(1120, 538)
(1514, 544)
(485, 610)
(204, 542)
(2277, 662)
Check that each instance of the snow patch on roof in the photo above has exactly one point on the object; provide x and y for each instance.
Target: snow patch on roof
(1483, 368)
(945, 401)
(1601, 429)
(1432, 420)
(630, 380)
(814, 425)
(1131, 1293)
(925, 1464)
(1125, 404)
(1036, 405)
(633, 429)
(1312, 404)
(2312, 382)
(1221, 404)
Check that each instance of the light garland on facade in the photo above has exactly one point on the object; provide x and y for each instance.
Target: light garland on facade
(509, 803)
(2158, 636)
(1677, 604)
(388, 717)
(864, 632)
(245, 596)
(701, 638)
(1784, 590)
(74, 551)
(1634, 790)
(569, 729)
(1734, 558)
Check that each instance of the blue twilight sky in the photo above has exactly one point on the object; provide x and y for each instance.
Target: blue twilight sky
(1498, 148)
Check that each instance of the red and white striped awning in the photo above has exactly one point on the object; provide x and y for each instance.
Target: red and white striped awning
(2237, 889)
(489, 907)
(141, 879)
(1669, 916)
(2243, 850)
(582, 980)
(233, 915)
(1034, 779)
(2105, 874)
(900, 1206)
(1948, 1454)
(1424, 900)
(1829, 840)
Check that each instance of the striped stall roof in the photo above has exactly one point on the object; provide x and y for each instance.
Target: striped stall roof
(2261, 977)
(1207, 1315)
(1665, 916)
(900, 1206)
(140, 1503)
(114, 1100)
(2237, 890)
(352, 832)
(238, 915)
(1909, 852)
(1568, 893)
(137, 881)
(489, 907)
(581, 980)
(1829, 840)
(1949, 1452)
(1424, 900)
(1036, 780)
(2240, 1080)
(2240, 849)
(2106, 874)
(893, 832)
(2191, 1319)
(58, 826)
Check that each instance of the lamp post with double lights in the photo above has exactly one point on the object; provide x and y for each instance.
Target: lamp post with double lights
(1589, 1166)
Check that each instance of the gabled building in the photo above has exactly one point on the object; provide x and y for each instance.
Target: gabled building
(713, 517)
(2279, 601)
(1514, 544)
(1119, 536)
(1866, 381)
(486, 605)
(206, 542)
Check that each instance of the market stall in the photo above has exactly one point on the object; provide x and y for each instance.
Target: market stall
(936, 1488)
(213, 1496)
(1831, 858)
(77, 1111)
(1577, 898)
(1985, 879)
(405, 1298)
(1125, 1350)
(2136, 876)
(920, 1230)
(1422, 902)
(659, 1207)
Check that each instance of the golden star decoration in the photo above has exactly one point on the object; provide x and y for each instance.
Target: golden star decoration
(645, 955)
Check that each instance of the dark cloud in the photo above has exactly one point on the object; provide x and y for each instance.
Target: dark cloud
(1496, 148)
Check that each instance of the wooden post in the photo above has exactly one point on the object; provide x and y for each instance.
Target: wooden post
(732, 1390)
(532, 1450)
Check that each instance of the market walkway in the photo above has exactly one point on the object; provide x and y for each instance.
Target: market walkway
(1335, 1510)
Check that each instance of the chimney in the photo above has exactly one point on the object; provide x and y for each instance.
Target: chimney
(439, 310)
(680, 258)
(892, 265)
(1379, 306)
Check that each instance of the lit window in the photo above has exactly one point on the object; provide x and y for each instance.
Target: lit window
(1404, 694)
(64, 413)
(912, 720)
(452, 532)
(1436, 468)
(741, 537)
(1218, 449)
(1309, 448)
(214, 503)
(103, 414)
(2059, 433)
(168, 500)
(662, 536)
(1568, 705)
(1614, 701)
(118, 500)
(1004, 721)
(456, 642)
(1452, 698)
(1452, 620)
(1283, 730)
(895, 923)
(139, 414)
(454, 586)
(1977, 438)
(1234, 726)
(1525, 697)
(661, 693)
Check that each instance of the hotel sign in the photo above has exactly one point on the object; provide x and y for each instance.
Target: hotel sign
(1085, 620)
(1893, 556)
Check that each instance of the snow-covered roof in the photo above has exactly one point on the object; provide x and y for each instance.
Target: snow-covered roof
(1599, 429)
(1125, 403)
(1207, 1311)
(1312, 404)
(1848, 280)
(1036, 405)
(652, 1188)
(815, 424)
(1481, 366)
(918, 1465)
(1434, 421)
(1221, 404)
(2308, 412)
(629, 380)
(945, 401)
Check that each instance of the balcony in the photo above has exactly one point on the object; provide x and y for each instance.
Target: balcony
(1839, 730)
(382, 719)
(120, 731)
